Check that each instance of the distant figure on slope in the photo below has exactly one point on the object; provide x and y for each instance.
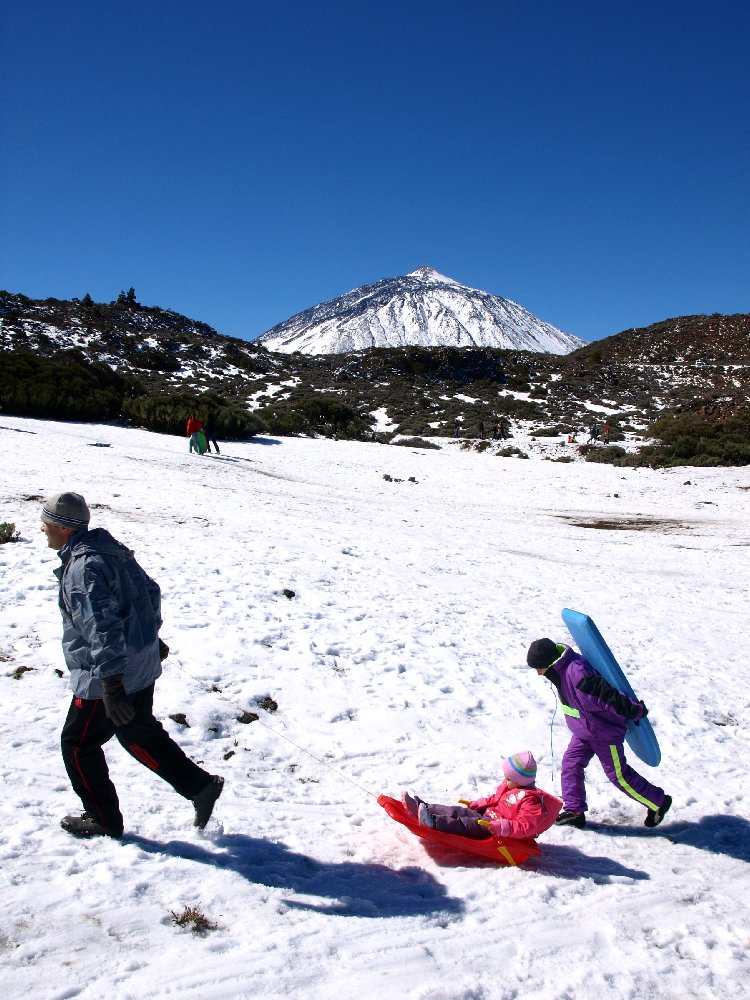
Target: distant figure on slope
(111, 612)
(606, 433)
(593, 433)
(208, 430)
(596, 714)
(193, 428)
(516, 809)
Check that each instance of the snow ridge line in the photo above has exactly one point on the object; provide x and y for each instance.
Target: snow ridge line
(214, 690)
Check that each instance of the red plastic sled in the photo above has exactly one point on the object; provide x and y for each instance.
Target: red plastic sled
(505, 851)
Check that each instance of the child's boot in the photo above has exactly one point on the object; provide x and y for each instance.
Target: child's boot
(569, 817)
(425, 816)
(410, 803)
(655, 816)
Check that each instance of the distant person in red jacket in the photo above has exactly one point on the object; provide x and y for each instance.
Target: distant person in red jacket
(516, 809)
(193, 426)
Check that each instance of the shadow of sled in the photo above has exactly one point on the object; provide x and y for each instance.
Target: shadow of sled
(556, 860)
(350, 889)
(729, 835)
(563, 861)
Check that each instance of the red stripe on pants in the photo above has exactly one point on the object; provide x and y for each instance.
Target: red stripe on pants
(79, 705)
(144, 756)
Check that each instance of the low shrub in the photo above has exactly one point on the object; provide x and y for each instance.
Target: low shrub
(8, 533)
(193, 919)
(416, 442)
(550, 432)
(609, 454)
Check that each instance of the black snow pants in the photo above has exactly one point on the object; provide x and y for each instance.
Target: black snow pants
(85, 732)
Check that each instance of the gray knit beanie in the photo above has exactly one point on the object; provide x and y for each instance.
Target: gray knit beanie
(67, 510)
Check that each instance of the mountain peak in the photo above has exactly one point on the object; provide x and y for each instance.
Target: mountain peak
(424, 309)
(427, 273)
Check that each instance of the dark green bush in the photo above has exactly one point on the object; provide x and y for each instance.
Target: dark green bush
(66, 387)
(521, 409)
(609, 454)
(285, 423)
(156, 361)
(699, 438)
(550, 432)
(416, 443)
(321, 414)
(168, 413)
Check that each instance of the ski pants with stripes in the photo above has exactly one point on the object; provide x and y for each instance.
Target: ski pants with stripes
(612, 758)
(85, 732)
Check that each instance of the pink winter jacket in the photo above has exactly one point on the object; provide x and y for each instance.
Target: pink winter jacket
(518, 812)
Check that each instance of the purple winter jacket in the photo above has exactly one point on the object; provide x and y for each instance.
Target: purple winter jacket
(594, 710)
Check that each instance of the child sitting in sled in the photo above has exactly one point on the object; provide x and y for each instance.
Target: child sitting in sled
(516, 809)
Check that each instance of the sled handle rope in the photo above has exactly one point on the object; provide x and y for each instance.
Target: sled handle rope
(214, 690)
(551, 744)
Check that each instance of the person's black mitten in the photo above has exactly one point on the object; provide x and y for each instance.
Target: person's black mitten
(163, 650)
(116, 703)
(640, 713)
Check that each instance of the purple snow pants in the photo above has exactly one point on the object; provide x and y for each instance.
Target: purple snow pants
(458, 819)
(612, 758)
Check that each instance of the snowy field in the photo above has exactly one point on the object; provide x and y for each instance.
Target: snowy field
(389, 622)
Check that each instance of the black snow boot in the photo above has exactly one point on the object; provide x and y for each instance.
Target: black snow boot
(205, 801)
(85, 827)
(655, 816)
(569, 817)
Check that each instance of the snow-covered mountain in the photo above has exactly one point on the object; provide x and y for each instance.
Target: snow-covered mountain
(423, 308)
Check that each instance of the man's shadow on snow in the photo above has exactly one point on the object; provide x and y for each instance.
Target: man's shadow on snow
(728, 835)
(347, 888)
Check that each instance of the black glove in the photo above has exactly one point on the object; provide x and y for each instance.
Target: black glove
(640, 713)
(163, 650)
(116, 703)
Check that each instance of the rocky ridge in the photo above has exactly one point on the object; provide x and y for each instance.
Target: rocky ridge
(688, 363)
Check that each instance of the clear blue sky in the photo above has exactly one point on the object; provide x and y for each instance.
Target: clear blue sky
(241, 161)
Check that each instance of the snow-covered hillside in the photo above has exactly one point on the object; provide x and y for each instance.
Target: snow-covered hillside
(423, 308)
(388, 619)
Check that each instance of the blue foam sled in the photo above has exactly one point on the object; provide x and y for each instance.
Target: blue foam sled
(641, 738)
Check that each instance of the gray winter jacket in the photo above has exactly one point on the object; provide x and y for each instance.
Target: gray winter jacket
(111, 612)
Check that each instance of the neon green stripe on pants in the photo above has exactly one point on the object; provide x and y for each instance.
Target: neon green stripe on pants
(623, 783)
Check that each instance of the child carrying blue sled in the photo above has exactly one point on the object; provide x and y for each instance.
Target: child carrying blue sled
(596, 714)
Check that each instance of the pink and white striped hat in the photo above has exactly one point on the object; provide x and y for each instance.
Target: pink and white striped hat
(521, 768)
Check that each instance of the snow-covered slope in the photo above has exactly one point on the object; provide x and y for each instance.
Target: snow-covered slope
(388, 620)
(423, 308)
